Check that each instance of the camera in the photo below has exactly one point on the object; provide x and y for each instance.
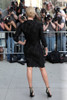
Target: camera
(23, 16)
(48, 17)
(11, 9)
(11, 13)
(57, 18)
(57, 9)
(7, 20)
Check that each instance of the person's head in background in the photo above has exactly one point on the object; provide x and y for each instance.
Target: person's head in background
(48, 6)
(43, 12)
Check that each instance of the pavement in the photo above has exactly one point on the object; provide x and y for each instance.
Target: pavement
(14, 85)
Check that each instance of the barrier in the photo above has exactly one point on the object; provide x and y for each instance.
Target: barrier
(56, 40)
(18, 49)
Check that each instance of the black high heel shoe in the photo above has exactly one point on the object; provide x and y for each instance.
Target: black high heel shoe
(48, 92)
(31, 92)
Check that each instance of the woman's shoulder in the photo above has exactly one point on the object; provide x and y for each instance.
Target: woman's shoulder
(38, 23)
(32, 22)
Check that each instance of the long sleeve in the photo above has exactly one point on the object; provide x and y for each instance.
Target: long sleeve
(19, 30)
(42, 37)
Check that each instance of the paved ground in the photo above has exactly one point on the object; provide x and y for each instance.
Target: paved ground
(14, 85)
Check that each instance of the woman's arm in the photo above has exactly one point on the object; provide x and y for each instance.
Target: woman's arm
(18, 32)
(56, 28)
(60, 25)
(2, 25)
(62, 14)
(45, 27)
(7, 28)
(42, 37)
(53, 25)
(14, 25)
(46, 51)
(15, 16)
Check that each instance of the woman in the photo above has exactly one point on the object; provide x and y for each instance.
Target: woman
(9, 26)
(33, 32)
(49, 27)
(61, 37)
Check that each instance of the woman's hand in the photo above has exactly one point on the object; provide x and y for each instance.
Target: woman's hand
(56, 22)
(22, 43)
(46, 51)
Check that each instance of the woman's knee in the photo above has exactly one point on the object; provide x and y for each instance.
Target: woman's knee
(29, 68)
(42, 69)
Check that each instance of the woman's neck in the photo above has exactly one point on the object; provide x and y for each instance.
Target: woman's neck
(29, 18)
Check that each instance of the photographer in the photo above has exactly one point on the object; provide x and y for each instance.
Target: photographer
(12, 14)
(14, 5)
(41, 16)
(49, 27)
(49, 8)
(59, 12)
(9, 26)
(18, 11)
(65, 10)
(61, 37)
(1, 29)
(1, 22)
(1, 26)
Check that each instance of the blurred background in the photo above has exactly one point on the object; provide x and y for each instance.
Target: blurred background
(4, 4)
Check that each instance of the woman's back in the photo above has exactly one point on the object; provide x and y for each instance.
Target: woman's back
(31, 31)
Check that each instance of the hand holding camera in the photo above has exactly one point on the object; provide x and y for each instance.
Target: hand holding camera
(56, 22)
(12, 13)
(48, 19)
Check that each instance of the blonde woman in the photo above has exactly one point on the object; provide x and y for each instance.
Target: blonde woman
(33, 32)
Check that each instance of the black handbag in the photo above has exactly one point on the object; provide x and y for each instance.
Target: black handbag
(55, 57)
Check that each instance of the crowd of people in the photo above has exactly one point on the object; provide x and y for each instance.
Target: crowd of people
(38, 26)
(53, 19)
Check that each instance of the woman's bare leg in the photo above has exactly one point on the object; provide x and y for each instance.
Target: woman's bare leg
(44, 76)
(29, 76)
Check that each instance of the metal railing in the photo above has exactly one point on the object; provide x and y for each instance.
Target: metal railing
(4, 44)
(59, 39)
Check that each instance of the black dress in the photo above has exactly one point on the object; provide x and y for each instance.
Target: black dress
(33, 32)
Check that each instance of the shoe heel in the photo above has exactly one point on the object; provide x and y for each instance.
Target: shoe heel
(31, 92)
(48, 93)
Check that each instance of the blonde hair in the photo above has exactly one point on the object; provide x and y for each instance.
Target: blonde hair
(30, 11)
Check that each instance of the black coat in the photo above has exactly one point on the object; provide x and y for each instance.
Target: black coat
(33, 32)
